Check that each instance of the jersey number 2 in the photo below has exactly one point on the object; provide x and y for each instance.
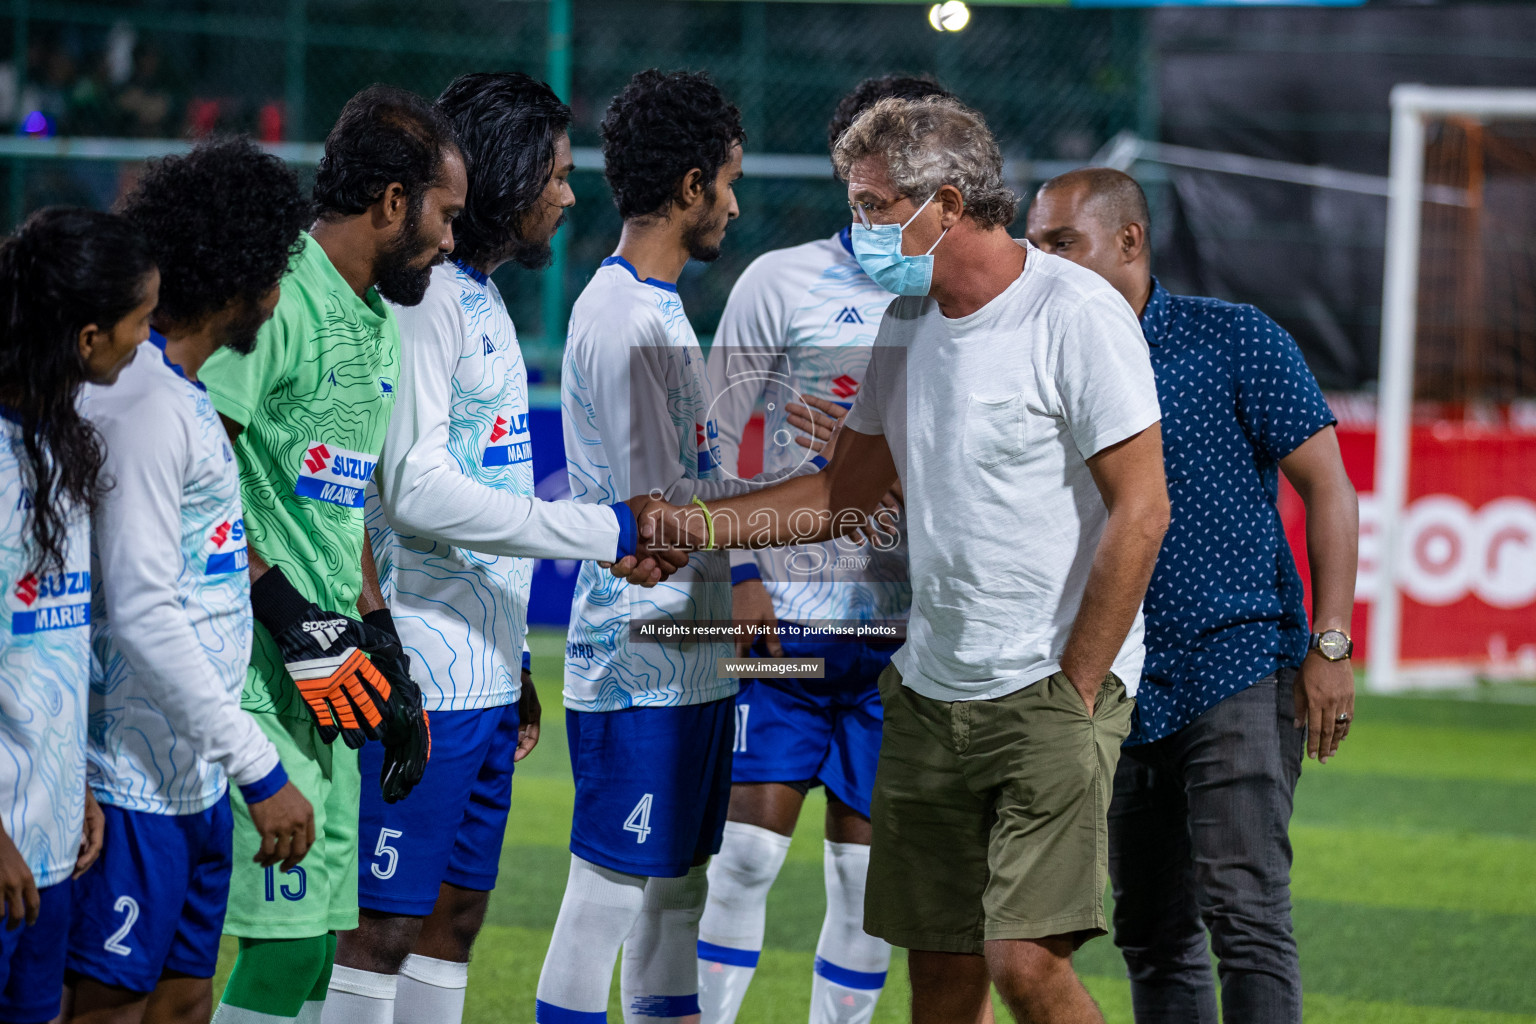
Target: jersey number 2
(129, 907)
(639, 820)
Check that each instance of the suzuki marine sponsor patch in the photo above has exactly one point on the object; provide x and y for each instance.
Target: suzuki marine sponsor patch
(336, 475)
(56, 600)
(508, 442)
(227, 551)
(706, 437)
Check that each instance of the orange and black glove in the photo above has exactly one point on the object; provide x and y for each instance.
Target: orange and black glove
(345, 693)
(407, 730)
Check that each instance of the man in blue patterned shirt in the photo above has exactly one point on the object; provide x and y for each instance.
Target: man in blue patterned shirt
(1236, 684)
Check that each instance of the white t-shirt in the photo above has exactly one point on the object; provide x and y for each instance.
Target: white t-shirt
(171, 627)
(990, 418)
(800, 322)
(454, 521)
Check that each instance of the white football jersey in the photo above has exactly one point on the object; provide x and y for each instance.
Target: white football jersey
(453, 519)
(635, 403)
(171, 619)
(801, 321)
(44, 680)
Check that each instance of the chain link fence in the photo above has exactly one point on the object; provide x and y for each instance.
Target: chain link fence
(1055, 85)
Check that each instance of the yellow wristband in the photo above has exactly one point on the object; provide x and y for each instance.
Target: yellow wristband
(709, 522)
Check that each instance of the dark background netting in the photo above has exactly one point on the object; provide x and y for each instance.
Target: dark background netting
(1052, 83)
(1303, 85)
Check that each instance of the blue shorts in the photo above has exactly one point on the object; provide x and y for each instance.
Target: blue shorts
(652, 786)
(32, 960)
(818, 730)
(155, 900)
(451, 826)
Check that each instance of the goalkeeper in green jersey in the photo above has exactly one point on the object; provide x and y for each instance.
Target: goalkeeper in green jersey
(307, 412)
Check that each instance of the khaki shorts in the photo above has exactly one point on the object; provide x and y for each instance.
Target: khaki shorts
(990, 815)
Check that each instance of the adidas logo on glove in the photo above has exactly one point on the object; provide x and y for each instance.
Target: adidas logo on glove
(326, 630)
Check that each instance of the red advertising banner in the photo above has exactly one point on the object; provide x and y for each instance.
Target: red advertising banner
(1467, 562)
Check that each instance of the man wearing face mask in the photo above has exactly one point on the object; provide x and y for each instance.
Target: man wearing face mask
(1012, 395)
(800, 322)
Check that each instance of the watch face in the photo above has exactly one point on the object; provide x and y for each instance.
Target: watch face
(1334, 645)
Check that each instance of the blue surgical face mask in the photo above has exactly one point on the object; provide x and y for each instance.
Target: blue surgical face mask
(877, 247)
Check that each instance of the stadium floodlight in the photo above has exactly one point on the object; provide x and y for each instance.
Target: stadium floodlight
(951, 16)
(1416, 109)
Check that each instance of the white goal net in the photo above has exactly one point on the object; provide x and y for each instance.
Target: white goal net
(1455, 477)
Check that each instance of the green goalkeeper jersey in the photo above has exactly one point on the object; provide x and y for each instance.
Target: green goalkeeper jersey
(314, 399)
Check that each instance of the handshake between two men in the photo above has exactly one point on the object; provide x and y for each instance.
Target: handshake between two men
(860, 484)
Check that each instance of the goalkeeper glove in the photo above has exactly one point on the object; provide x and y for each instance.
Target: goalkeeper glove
(346, 695)
(408, 732)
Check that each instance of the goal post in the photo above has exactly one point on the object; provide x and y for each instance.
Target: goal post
(1414, 107)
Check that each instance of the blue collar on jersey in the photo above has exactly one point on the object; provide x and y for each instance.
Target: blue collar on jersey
(666, 286)
(474, 274)
(7, 413)
(846, 237)
(158, 340)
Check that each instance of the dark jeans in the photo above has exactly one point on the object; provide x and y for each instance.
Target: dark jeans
(1198, 839)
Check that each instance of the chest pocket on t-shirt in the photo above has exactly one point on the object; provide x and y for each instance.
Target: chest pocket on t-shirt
(994, 429)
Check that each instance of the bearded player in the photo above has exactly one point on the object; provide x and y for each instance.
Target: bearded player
(307, 411)
(455, 527)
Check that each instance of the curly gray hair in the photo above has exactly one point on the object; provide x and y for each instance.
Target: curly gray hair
(929, 143)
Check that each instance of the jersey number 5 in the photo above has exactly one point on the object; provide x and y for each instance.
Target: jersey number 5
(383, 849)
(639, 820)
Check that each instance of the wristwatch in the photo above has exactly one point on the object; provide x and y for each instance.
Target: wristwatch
(1333, 644)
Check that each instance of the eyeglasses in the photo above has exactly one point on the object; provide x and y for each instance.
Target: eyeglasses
(862, 211)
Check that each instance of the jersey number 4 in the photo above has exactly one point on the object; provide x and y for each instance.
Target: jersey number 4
(639, 820)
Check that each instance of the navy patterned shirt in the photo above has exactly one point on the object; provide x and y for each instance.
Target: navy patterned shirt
(1225, 606)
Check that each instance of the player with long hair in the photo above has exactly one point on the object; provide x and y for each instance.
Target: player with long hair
(76, 291)
(456, 526)
(307, 411)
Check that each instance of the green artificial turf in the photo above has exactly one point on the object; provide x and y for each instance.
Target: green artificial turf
(1414, 883)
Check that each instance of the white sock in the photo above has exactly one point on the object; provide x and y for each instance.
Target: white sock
(598, 911)
(227, 1014)
(731, 930)
(660, 977)
(430, 991)
(310, 1012)
(850, 964)
(358, 997)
